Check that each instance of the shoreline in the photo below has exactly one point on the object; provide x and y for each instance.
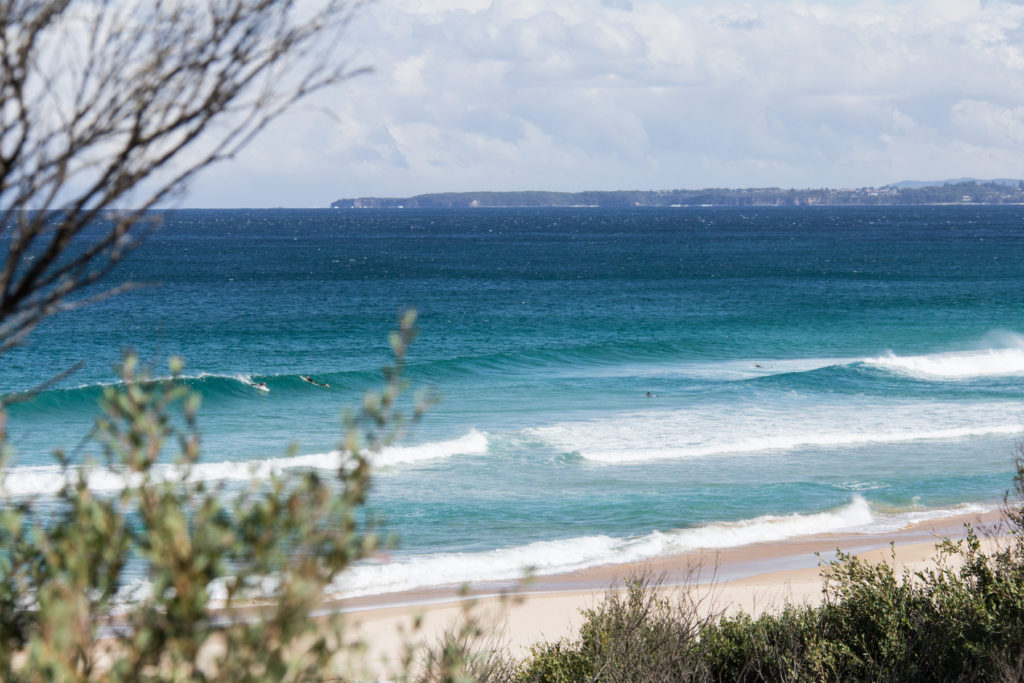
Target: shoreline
(716, 565)
(753, 578)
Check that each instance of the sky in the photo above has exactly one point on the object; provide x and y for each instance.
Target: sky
(574, 95)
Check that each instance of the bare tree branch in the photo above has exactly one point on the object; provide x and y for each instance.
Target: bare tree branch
(117, 105)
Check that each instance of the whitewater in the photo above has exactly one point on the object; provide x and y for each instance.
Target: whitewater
(615, 385)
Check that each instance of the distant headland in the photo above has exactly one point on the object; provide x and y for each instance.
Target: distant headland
(959, 191)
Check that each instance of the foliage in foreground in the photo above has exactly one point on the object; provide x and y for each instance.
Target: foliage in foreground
(209, 554)
(962, 620)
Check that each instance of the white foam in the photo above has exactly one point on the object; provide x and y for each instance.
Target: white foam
(789, 423)
(958, 365)
(48, 479)
(473, 443)
(886, 523)
(247, 379)
(240, 377)
(861, 485)
(552, 557)
(541, 558)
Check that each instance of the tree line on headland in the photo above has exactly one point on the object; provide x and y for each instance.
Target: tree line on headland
(907, 193)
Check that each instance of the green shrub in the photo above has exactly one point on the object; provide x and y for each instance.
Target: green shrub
(641, 633)
(557, 662)
(962, 620)
(788, 646)
(210, 558)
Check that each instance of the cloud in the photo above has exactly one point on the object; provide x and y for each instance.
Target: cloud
(989, 124)
(607, 94)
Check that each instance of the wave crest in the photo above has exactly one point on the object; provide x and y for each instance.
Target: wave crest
(956, 365)
(49, 479)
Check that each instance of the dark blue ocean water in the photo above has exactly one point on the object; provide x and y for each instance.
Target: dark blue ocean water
(810, 369)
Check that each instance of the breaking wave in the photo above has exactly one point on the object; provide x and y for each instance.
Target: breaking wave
(573, 554)
(1005, 358)
(49, 479)
(709, 430)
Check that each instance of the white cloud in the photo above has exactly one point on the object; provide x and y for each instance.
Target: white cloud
(988, 123)
(600, 94)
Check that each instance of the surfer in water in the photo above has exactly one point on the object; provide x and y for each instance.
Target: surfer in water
(262, 386)
(313, 381)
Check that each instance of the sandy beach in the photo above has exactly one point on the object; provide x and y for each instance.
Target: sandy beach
(754, 578)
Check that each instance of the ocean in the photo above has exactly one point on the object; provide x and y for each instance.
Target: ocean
(615, 385)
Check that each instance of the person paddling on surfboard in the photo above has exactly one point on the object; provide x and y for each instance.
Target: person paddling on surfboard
(313, 381)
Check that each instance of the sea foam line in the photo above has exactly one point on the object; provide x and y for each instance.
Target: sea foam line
(573, 554)
(789, 423)
(788, 442)
(544, 558)
(49, 479)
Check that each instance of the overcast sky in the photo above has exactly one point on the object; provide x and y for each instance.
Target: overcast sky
(649, 94)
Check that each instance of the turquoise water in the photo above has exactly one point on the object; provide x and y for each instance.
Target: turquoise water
(809, 370)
